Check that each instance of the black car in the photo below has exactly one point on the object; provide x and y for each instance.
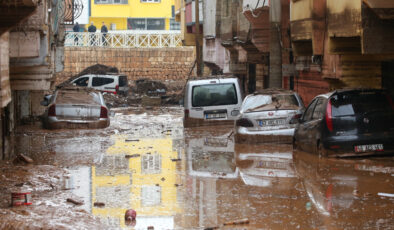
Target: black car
(353, 122)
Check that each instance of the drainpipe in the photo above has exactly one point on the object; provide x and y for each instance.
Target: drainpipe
(275, 70)
(198, 45)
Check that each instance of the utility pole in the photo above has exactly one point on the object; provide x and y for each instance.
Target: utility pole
(275, 70)
(197, 36)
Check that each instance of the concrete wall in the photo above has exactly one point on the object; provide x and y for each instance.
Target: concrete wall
(156, 64)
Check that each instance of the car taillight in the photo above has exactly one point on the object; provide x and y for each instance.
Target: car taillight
(329, 116)
(116, 89)
(186, 113)
(103, 112)
(244, 122)
(52, 111)
(295, 119)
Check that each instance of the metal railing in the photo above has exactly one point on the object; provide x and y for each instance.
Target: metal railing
(125, 39)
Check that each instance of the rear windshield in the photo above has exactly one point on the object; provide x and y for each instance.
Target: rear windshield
(122, 81)
(359, 103)
(215, 94)
(270, 102)
(77, 97)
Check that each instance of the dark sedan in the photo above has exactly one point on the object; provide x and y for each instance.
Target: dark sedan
(354, 122)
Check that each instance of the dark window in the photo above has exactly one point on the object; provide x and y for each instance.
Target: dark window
(155, 24)
(136, 24)
(146, 24)
(215, 94)
(359, 102)
(99, 81)
(82, 81)
(122, 81)
(174, 25)
(309, 111)
(318, 113)
(173, 11)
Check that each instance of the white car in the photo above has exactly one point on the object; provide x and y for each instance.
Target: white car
(73, 107)
(112, 83)
(269, 115)
(212, 101)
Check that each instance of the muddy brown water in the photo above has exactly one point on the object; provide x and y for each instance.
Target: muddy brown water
(195, 178)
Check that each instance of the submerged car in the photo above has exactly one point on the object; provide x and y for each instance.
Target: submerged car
(212, 101)
(269, 115)
(75, 107)
(352, 122)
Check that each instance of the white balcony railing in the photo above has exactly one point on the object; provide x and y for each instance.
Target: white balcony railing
(125, 39)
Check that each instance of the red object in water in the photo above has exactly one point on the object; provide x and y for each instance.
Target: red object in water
(21, 198)
(130, 214)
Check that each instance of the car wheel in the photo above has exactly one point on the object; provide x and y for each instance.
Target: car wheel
(321, 150)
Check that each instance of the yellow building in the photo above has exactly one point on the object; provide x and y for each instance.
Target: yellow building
(134, 14)
(140, 175)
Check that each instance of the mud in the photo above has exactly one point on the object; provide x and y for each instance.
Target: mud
(193, 178)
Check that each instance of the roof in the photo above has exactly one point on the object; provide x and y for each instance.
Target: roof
(271, 91)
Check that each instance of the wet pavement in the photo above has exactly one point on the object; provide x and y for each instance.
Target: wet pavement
(195, 178)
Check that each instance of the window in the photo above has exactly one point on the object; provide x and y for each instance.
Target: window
(174, 25)
(146, 24)
(111, 1)
(151, 164)
(150, 195)
(319, 110)
(215, 94)
(99, 81)
(150, 1)
(155, 24)
(82, 81)
(309, 111)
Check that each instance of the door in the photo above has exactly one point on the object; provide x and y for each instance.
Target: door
(303, 134)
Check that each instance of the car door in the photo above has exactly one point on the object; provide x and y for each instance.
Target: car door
(315, 125)
(303, 134)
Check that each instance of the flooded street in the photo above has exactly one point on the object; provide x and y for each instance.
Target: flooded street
(195, 178)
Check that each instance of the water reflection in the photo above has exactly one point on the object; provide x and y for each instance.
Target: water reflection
(346, 192)
(138, 174)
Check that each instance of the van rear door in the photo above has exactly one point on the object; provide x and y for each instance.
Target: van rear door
(215, 101)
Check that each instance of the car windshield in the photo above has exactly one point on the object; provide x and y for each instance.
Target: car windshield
(77, 97)
(214, 94)
(263, 102)
(361, 102)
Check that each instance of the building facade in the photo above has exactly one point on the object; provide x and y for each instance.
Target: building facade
(31, 52)
(134, 14)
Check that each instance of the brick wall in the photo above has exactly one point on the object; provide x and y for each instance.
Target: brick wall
(163, 64)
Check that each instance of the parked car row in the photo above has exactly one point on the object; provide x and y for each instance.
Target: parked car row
(348, 122)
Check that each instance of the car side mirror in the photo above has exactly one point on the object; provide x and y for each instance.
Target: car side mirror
(46, 100)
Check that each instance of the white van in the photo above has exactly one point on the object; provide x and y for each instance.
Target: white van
(112, 83)
(212, 101)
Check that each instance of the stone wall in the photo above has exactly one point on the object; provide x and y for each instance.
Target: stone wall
(163, 64)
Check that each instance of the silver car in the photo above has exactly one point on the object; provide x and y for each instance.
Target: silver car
(75, 107)
(269, 115)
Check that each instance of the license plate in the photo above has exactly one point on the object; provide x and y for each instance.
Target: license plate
(272, 122)
(215, 115)
(367, 148)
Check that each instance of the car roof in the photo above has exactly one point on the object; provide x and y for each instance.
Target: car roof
(348, 90)
(209, 79)
(271, 91)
